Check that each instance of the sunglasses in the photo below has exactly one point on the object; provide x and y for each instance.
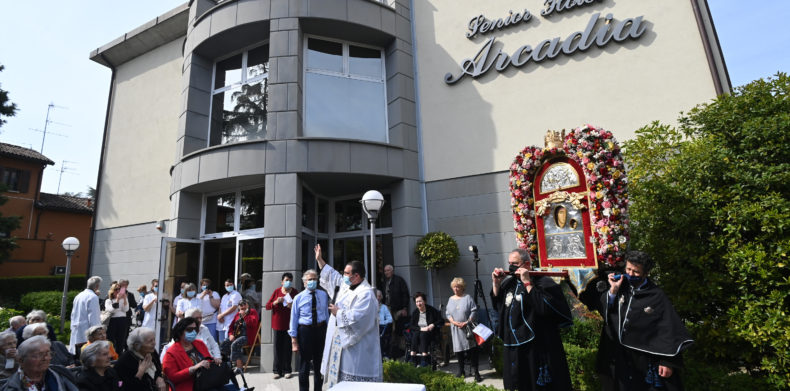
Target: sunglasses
(191, 328)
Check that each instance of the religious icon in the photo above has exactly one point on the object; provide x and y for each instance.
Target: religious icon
(560, 216)
(575, 246)
(573, 224)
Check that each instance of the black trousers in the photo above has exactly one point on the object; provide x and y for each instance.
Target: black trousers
(311, 349)
(282, 352)
(117, 331)
(421, 341)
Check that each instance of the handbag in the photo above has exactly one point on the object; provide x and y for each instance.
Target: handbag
(105, 318)
(212, 378)
(468, 330)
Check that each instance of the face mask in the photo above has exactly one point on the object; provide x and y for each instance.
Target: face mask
(634, 280)
(287, 284)
(347, 280)
(191, 294)
(252, 286)
(156, 289)
(190, 335)
(182, 290)
(312, 284)
(204, 287)
(512, 268)
(229, 288)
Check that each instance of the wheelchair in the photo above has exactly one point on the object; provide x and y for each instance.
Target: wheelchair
(439, 352)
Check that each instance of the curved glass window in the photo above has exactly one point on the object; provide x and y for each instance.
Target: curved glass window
(238, 103)
(345, 91)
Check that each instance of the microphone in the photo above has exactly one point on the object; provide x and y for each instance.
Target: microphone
(337, 289)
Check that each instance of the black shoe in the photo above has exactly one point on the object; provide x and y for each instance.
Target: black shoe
(478, 378)
(461, 374)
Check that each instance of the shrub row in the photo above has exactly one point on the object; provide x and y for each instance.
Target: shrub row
(13, 288)
(48, 301)
(400, 372)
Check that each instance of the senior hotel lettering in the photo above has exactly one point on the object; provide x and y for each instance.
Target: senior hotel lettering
(599, 32)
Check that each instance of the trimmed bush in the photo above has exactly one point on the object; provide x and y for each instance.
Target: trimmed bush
(436, 250)
(400, 372)
(585, 333)
(49, 301)
(581, 365)
(13, 288)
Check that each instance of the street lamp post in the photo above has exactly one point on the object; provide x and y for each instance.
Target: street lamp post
(372, 201)
(70, 245)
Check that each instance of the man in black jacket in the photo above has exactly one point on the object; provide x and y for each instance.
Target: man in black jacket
(396, 297)
(531, 311)
(643, 336)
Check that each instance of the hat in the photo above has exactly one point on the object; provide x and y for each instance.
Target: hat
(246, 275)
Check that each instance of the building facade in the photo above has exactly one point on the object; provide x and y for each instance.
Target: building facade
(45, 219)
(264, 121)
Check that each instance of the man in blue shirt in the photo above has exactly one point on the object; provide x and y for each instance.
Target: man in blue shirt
(309, 313)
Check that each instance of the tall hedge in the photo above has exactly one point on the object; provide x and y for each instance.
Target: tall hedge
(13, 288)
(48, 301)
(711, 203)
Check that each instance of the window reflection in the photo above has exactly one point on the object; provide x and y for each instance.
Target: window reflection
(348, 216)
(238, 106)
(252, 206)
(324, 55)
(220, 213)
(364, 61)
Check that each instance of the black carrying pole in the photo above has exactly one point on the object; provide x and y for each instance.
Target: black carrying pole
(479, 292)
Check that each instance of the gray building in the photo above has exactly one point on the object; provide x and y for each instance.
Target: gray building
(240, 133)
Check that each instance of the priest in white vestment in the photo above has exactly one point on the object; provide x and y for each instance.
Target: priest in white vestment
(85, 313)
(352, 351)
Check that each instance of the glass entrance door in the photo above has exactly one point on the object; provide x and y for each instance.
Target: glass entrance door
(251, 263)
(179, 262)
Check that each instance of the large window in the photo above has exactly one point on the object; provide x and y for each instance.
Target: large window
(345, 95)
(228, 213)
(16, 180)
(238, 99)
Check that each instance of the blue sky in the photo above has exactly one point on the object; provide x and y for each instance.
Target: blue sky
(44, 46)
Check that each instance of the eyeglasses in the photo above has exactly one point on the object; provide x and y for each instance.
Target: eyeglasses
(191, 328)
(41, 356)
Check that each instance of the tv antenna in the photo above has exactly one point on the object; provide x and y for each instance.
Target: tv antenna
(63, 169)
(46, 124)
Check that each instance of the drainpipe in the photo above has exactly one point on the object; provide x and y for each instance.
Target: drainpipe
(92, 233)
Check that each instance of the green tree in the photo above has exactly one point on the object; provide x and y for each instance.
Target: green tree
(711, 202)
(7, 109)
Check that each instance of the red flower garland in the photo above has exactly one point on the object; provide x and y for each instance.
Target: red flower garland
(598, 153)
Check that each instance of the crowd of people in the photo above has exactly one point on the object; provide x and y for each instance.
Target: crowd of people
(337, 324)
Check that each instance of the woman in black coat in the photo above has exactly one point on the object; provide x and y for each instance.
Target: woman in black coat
(139, 367)
(96, 373)
(426, 321)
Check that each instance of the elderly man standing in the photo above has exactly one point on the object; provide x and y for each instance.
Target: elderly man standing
(531, 311)
(397, 299)
(85, 313)
(352, 338)
(308, 329)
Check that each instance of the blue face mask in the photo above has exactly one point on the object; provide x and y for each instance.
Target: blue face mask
(253, 287)
(634, 280)
(312, 284)
(347, 280)
(182, 290)
(229, 288)
(287, 284)
(191, 294)
(190, 335)
(204, 287)
(156, 289)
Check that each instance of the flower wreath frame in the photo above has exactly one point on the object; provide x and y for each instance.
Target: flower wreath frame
(599, 155)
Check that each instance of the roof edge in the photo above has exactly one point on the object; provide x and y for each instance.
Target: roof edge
(150, 35)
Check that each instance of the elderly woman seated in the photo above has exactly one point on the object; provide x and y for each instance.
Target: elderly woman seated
(99, 333)
(426, 321)
(60, 353)
(96, 373)
(33, 317)
(35, 373)
(139, 366)
(186, 356)
(7, 355)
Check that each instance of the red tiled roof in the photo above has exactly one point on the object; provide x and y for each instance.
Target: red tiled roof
(22, 153)
(65, 203)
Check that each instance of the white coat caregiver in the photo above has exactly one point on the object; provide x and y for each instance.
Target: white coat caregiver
(352, 351)
(85, 313)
